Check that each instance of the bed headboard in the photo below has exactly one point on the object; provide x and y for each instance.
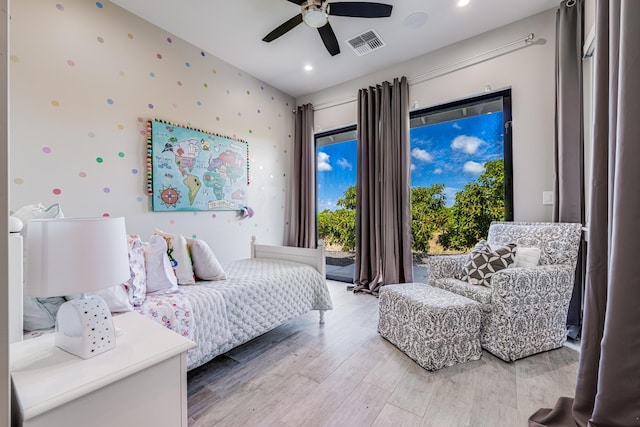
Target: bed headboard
(313, 257)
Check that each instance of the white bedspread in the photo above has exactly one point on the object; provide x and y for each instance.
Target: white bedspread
(259, 295)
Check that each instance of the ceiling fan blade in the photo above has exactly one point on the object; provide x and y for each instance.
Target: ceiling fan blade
(298, 2)
(282, 29)
(329, 39)
(360, 9)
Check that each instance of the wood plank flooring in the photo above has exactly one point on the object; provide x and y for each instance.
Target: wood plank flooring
(343, 373)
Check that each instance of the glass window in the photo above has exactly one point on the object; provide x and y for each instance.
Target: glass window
(336, 199)
(461, 180)
(460, 172)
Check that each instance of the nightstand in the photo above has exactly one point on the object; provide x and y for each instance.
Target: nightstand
(142, 382)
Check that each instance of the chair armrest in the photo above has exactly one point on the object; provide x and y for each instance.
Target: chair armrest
(445, 266)
(545, 283)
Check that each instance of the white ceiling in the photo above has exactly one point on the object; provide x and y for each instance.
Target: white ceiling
(233, 30)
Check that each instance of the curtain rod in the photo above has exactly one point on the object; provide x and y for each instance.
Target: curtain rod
(421, 78)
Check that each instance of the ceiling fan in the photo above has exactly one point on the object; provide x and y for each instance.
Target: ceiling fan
(315, 13)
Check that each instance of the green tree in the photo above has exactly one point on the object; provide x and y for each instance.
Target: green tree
(476, 205)
(348, 200)
(428, 214)
(338, 227)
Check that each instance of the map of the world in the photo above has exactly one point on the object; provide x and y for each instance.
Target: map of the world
(194, 170)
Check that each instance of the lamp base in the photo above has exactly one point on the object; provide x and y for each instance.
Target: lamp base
(84, 327)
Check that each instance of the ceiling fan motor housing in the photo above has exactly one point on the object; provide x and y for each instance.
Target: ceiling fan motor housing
(314, 13)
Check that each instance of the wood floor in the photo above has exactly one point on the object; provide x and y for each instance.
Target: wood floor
(344, 374)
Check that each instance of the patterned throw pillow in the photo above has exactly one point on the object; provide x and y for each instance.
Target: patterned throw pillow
(137, 283)
(486, 260)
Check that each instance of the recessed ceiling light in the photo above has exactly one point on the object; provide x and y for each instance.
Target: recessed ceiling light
(308, 67)
(415, 20)
(462, 3)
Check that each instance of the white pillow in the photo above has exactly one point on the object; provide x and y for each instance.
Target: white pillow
(179, 257)
(160, 275)
(116, 297)
(37, 211)
(527, 257)
(38, 313)
(205, 264)
(182, 261)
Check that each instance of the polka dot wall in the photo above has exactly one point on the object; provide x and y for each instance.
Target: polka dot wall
(82, 94)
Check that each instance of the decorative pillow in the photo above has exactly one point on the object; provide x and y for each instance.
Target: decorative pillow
(160, 275)
(485, 261)
(179, 257)
(37, 211)
(137, 284)
(40, 313)
(116, 297)
(205, 264)
(527, 257)
(461, 274)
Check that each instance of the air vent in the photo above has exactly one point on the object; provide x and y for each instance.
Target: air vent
(366, 42)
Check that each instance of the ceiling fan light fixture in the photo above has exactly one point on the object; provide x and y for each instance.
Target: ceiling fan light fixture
(315, 14)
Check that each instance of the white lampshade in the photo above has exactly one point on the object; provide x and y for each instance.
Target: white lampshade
(75, 255)
(78, 255)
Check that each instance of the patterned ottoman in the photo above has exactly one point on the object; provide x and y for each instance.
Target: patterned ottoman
(434, 327)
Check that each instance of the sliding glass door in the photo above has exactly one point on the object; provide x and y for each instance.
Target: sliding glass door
(461, 180)
(336, 178)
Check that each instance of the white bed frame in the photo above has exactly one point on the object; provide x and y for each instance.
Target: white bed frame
(316, 258)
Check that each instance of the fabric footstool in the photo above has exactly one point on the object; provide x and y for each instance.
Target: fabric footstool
(434, 327)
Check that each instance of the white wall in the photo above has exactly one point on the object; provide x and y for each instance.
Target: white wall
(528, 71)
(69, 58)
(4, 209)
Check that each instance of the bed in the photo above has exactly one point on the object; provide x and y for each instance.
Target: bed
(275, 285)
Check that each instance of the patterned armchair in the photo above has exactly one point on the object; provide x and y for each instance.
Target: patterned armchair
(524, 310)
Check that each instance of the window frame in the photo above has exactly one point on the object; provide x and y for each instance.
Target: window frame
(505, 94)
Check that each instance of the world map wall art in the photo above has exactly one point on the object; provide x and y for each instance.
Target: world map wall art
(194, 170)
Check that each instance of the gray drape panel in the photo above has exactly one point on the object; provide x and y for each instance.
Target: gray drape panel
(569, 138)
(383, 203)
(302, 224)
(569, 154)
(608, 384)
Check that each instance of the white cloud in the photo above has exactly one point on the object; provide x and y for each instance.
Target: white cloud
(437, 171)
(413, 167)
(468, 144)
(344, 164)
(421, 155)
(323, 162)
(473, 167)
(457, 126)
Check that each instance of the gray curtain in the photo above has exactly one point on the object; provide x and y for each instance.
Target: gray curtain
(302, 223)
(383, 202)
(608, 383)
(569, 139)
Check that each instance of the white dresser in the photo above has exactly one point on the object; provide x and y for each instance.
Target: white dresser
(142, 382)
(15, 287)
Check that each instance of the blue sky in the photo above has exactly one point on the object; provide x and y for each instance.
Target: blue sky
(451, 153)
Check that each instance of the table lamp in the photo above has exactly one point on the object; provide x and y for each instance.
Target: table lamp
(78, 255)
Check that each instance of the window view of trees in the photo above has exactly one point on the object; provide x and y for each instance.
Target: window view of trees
(460, 178)
(435, 227)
